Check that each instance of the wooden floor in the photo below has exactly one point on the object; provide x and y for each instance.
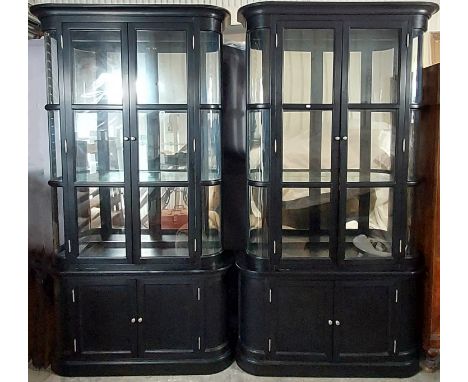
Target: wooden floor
(232, 374)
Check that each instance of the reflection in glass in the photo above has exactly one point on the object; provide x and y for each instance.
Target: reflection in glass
(211, 220)
(164, 221)
(412, 143)
(371, 146)
(305, 222)
(210, 145)
(259, 66)
(258, 222)
(308, 66)
(97, 76)
(54, 144)
(99, 146)
(162, 146)
(369, 221)
(50, 42)
(210, 68)
(258, 125)
(373, 66)
(161, 67)
(416, 70)
(57, 219)
(307, 146)
(413, 212)
(101, 221)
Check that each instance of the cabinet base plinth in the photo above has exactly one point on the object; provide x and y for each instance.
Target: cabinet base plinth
(68, 368)
(269, 368)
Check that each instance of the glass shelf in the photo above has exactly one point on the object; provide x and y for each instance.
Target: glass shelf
(290, 175)
(163, 176)
(106, 177)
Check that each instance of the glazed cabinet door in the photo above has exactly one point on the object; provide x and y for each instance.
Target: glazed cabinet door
(167, 318)
(364, 315)
(105, 317)
(302, 314)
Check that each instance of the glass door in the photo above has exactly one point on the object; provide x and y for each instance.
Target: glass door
(162, 179)
(307, 108)
(370, 140)
(96, 133)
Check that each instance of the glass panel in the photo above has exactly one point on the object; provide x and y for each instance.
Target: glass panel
(101, 221)
(258, 222)
(97, 76)
(413, 144)
(50, 41)
(371, 146)
(258, 125)
(99, 146)
(210, 145)
(164, 221)
(162, 145)
(259, 66)
(373, 66)
(305, 222)
(416, 70)
(161, 67)
(211, 220)
(307, 139)
(57, 218)
(369, 221)
(308, 66)
(410, 227)
(55, 147)
(210, 68)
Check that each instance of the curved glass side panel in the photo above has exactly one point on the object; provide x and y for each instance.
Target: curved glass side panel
(162, 145)
(416, 68)
(210, 68)
(99, 146)
(258, 125)
(371, 146)
(210, 145)
(97, 66)
(55, 145)
(307, 137)
(410, 250)
(259, 66)
(161, 67)
(308, 66)
(413, 144)
(101, 221)
(211, 220)
(369, 223)
(306, 223)
(57, 219)
(373, 66)
(164, 221)
(52, 69)
(258, 222)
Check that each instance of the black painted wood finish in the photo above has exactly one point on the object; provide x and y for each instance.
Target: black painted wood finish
(119, 312)
(333, 315)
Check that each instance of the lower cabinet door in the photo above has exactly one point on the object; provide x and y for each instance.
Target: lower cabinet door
(364, 315)
(104, 311)
(301, 327)
(168, 315)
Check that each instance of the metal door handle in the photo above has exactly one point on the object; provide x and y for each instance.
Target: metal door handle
(345, 138)
(140, 319)
(337, 138)
(330, 322)
(133, 138)
(133, 320)
(337, 323)
(126, 138)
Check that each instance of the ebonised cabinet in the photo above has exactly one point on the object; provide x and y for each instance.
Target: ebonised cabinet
(333, 103)
(134, 109)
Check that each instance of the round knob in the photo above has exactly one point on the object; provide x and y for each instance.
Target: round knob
(337, 138)
(133, 138)
(330, 322)
(126, 138)
(133, 320)
(345, 138)
(140, 319)
(337, 323)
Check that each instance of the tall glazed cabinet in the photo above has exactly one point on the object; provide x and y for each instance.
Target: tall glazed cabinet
(329, 282)
(134, 106)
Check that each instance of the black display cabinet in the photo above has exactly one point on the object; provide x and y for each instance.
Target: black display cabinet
(134, 106)
(329, 280)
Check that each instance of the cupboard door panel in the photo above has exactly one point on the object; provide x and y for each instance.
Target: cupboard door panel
(302, 312)
(365, 311)
(168, 318)
(105, 310)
